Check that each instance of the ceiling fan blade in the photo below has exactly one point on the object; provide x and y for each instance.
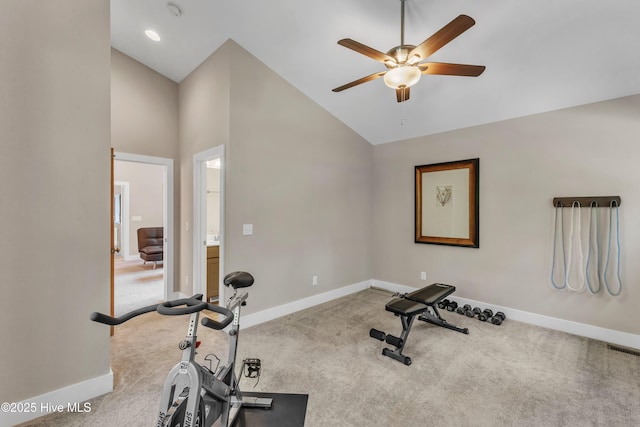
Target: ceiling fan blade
(447, 33)
(366, 50)
(446, 69)
(359, 81)
(402, 94)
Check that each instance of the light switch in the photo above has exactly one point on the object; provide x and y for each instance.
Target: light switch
(247, 229)
(136, 218)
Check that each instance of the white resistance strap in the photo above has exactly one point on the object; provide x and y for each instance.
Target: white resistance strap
(613, 207)
(580, 271)
(555, 245)
(593, 241)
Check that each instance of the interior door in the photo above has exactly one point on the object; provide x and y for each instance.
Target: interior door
(112, 242)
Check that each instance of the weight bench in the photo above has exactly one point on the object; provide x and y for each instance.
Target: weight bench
(421, 303)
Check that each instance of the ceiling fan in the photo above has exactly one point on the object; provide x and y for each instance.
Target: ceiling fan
(404, 62)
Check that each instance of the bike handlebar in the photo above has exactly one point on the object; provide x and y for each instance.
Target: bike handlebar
(172, 308)
(109, 320)
(213, 324)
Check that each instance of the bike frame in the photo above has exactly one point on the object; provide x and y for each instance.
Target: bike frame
(220, 392)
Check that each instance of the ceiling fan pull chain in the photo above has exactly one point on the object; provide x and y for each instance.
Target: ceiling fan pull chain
(555, 244)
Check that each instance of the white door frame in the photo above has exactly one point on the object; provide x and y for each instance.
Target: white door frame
(167, 217)
(200, 219)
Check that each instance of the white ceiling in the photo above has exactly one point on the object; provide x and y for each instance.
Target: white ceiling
(540, 55)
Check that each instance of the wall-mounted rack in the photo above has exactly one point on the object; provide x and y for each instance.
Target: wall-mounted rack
(585, 202)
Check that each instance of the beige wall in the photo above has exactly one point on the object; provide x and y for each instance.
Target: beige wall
(301, 177)
(144, 121)
(524, 164)
(304, 180)
(54, 175)
(144, 109)
(204, 123)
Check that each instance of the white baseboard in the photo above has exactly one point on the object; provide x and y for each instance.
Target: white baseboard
(392, 287)
(589, 331)
(284, 309)
(68, 398)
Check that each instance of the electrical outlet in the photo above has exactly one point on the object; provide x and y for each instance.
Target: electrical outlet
(186, 280)
(247, 229)
(314, 280)
(423, 275)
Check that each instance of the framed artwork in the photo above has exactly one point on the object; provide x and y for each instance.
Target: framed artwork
(447, 203)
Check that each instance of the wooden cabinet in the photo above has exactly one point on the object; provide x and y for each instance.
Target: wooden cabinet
(213, 273)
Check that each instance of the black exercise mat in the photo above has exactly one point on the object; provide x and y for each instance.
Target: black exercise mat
(287, 410)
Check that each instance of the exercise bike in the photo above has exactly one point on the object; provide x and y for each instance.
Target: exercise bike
(196, 395)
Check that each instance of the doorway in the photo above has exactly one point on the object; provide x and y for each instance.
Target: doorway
(143, 192)
(208, 223)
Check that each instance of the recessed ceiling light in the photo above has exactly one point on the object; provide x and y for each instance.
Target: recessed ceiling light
(152, 35)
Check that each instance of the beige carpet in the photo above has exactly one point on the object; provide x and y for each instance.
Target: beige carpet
(509, 375)
(136, 285)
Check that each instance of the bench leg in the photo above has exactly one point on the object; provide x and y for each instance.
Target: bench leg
(437, 320)
(396, 354)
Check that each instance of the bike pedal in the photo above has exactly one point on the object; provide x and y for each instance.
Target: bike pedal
(253, 367)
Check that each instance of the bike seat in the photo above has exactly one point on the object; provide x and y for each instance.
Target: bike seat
(238, 279)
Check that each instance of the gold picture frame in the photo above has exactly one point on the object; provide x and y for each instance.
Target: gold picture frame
(447, 203)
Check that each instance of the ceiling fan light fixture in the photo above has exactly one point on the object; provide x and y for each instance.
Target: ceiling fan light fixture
(402, 77)
(414, 59)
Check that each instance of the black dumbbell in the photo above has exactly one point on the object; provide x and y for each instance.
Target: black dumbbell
(475, 312)
(469, 311)
(452, 306)
(485, 315)
(464, 309)
(498, 318)
(443, 304)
